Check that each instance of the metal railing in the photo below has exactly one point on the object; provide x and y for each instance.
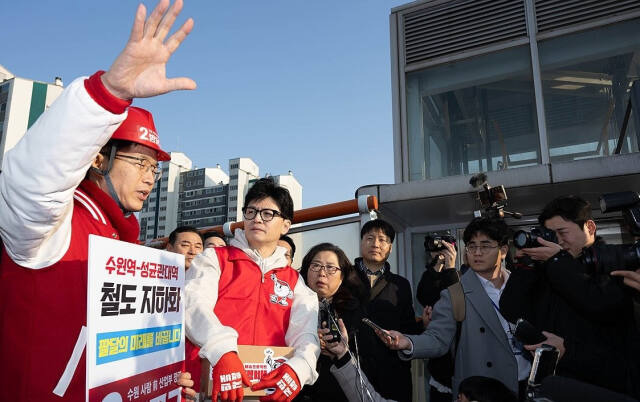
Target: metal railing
(362, 204)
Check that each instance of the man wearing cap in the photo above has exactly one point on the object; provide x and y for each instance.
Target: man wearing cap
(81, 169)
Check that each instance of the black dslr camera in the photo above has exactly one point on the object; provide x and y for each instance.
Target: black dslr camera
(611, 257)
(434, 243)
(524, 239)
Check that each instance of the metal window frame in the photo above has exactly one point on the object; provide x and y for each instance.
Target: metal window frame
(399, 70)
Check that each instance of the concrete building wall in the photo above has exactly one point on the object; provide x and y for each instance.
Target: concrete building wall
(24, 103)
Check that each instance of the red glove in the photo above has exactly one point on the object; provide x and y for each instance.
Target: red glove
(228, 378)
(284, 380)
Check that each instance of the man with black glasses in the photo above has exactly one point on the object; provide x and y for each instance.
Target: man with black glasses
(82, 169)
(485, 345)
(247, 294)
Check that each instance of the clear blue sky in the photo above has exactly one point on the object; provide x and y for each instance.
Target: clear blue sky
(294, 85)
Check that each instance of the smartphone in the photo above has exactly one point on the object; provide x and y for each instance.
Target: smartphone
(331, 324)
(544, 364)
(527, 333)
(374, 326)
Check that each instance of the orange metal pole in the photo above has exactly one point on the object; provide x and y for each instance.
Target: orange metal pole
(300, 216)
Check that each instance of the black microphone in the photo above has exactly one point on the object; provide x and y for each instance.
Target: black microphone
(562, 389)
(327, 316)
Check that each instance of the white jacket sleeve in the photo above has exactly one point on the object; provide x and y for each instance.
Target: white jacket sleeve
(302, 333)
(202, 326)
(40, 174)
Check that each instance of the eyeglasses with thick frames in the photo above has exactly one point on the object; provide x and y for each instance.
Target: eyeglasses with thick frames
(143, 164)
(484, 248)
(329, 269)
(266, 214)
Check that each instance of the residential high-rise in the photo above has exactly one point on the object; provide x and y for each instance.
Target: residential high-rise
(203, 197)
(22, 101)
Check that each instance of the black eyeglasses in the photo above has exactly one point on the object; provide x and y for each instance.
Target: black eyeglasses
(143, 164)
(266, 214)
(329, 269)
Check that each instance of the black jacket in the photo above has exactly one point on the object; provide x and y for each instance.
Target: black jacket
(389, 304)
(592, 311)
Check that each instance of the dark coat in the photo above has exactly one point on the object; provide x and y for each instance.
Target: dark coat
(591, 310)
(389, 304)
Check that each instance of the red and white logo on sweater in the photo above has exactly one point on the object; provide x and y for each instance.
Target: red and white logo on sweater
(281, 291)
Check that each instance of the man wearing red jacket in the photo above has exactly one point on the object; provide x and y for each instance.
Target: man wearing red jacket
(82, 168)
(247, 294)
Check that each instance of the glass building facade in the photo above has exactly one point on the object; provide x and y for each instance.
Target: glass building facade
(511, 84)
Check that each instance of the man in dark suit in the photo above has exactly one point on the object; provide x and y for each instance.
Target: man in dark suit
(389, 303)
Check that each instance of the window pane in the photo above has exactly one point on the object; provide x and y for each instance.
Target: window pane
(587, 79)
(472, 115)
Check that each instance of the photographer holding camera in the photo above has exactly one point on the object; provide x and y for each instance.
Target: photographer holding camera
(558, 292)
(439, 274)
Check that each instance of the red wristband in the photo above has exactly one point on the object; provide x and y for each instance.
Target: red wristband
(103, 97)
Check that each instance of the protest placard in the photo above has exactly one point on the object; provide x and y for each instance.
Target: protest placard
(135, 322)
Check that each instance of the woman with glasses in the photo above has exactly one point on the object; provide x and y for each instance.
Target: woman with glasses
(329, 273)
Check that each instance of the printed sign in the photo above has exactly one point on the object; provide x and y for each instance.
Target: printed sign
(135, 322)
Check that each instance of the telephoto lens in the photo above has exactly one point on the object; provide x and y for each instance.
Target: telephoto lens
(524, 239)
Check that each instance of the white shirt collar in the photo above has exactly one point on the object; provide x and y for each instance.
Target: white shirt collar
(487, 284)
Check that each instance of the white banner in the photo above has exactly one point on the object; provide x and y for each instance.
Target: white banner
(135, 322)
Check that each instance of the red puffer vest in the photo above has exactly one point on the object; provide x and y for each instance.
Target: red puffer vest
(42, 311)
(257, 306)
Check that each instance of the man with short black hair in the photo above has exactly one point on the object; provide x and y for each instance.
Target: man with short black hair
(484, 341)
(213, 239)
(185, 240)
(389, 303)
(581, 303)
(246, 294)
(288, 244)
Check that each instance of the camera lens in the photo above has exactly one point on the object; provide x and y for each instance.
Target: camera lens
(520, 239)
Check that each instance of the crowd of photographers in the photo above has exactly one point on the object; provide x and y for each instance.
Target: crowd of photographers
(555, 300)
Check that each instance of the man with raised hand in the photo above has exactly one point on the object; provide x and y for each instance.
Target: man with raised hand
(97, 161)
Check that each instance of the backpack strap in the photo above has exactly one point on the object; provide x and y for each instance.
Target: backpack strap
(456, 293)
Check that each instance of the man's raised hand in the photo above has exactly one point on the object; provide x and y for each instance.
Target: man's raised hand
(139, 71)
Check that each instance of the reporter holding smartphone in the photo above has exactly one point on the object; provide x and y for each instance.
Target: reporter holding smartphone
(328, 272)
(486, 344)
(344, 367)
